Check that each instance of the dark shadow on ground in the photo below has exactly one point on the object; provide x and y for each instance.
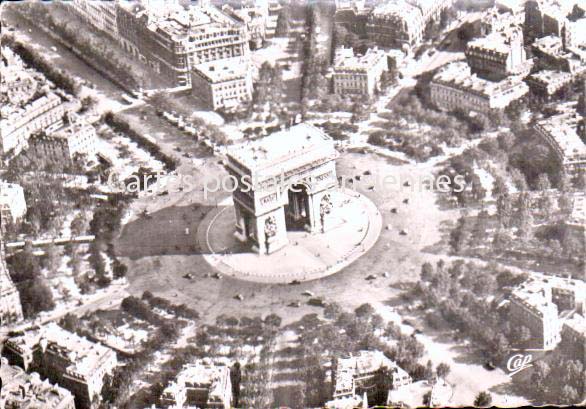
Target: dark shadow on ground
(170, 231)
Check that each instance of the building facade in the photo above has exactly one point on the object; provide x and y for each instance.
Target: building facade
(10, 306)
(282, 186)
(223, 84)
(73, 362)
(573, 343)
(364, 372)
(174, 40)
(75, 139)
(12, 203)
(539, 304)
(546, 17)
(201, 385)
(99, 14)
(23, 391)
(547, 84)
(497, 20)
(402, 23)
(358, 75)
(21, 123)
(560, 132)
(498, 55)
(455, 87)
(253, 13)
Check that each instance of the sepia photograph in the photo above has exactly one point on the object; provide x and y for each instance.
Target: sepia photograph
(292, 204)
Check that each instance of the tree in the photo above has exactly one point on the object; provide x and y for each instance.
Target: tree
(426, 271)
(569, 395)
(70, 322)
(52, 254)
(283, 22)
(499, 347)
(506, 141)
(572, 245)
(235, 378)
(483, 399)
(442, 370)
(504, 209)
(428, 374)
(499, 187)
(546, 205)
(35, 296)
(525, 217)
(25, 265)
(332, 311)
(566, 204)
(364, 311)
(273, 320)
(427, 398)
(543, 182)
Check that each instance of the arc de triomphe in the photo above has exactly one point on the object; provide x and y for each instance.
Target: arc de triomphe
(284, 183)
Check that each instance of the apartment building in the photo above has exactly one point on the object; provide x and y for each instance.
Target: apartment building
(27, 391)
(552, 55)
(76, 138)
(202, 385)
(174, 40)
(17, 86)
(99, 14)
(358, 374)
(546, 17)
(498, 55)
(539, 303)
(223, 84)
(573, 342)
(253, 13)
(358, 74)
(456, 87)
(547, 83)
(497, 20)
(401, 23)
(73, 362)
(10, 306)
(560, 132)
(531, 306)
(18, 124)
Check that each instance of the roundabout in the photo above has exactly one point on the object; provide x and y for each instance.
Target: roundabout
(348, 235)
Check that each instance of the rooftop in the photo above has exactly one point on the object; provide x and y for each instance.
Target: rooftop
(398, 8)
(548, 44)
(458, 74)
(181, 24)
(74, 126)
(577, 322)
(498, 41)
(7, 190)
(202, 374)
(563, 130)
(345, 59)
(365, 362)
(84, 356)
(224, 70)
(284, 150)
(537, 291)
(27, 391)
(549, 76)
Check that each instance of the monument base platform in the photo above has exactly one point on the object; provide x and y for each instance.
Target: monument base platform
(351, 229)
